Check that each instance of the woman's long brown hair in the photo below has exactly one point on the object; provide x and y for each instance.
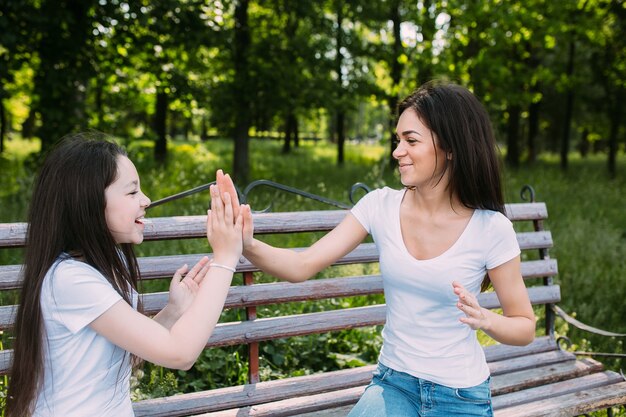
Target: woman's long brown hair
(463, 129)
(66, 216)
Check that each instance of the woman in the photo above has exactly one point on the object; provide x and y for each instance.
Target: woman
(439, 238)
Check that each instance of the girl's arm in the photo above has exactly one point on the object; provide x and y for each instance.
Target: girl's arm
(516, 326)
(179, 346)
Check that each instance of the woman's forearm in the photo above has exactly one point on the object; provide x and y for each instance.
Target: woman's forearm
(517, 330)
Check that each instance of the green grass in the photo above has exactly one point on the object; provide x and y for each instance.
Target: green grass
(586, 218)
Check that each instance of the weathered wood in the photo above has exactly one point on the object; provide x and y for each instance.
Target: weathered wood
(519, 380)
(537, 294)
(332, 412)
(184, 227)
(530, 361)
(526, 211)
(558, 388)
(251, 394)
(535, 240)
(500, 352)
(574, 404)
(278, 327)
(164, 266)
(524, 379)
(295, 406)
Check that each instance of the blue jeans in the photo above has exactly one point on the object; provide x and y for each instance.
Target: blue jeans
(394, 393)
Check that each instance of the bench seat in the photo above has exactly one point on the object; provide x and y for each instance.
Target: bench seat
(521, 377)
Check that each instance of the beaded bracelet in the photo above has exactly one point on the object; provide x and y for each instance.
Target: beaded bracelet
(230, 268)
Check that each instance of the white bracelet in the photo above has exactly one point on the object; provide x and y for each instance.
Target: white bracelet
(230, 268)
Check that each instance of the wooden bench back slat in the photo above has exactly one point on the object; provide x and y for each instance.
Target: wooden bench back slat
(281, 292)
(185, 227)
(164, 266)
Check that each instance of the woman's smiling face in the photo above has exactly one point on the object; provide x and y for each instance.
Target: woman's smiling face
(420, 159)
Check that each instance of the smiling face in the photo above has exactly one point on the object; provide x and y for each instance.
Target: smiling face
(421, 161)
(125, 204)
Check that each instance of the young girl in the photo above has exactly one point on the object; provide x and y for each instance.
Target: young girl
(439, 238)
(77, 324)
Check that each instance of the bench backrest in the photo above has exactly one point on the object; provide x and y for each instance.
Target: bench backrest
(533, 240)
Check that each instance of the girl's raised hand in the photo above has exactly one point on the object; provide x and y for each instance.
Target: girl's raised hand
(223, 230)
(468, 304)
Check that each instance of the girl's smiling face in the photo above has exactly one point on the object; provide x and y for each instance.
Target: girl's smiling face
(125, 204)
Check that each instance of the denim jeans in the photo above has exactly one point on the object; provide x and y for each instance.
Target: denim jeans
(394, 393)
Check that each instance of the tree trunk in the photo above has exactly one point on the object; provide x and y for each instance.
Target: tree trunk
(288, 133)
(341, 114)
(296, 132)
(241, 169)
(341, 136)
(160, 126)
(569, 106)
(396, 74)
(533, 130)
(512, 153)
(3, 123)
(615, 118)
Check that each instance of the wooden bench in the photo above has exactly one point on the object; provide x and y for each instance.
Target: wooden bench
(535, 380)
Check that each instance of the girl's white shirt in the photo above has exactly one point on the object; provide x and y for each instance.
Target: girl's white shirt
(84, 373)
(423, 335)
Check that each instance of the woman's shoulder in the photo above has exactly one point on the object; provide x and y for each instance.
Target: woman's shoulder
(493, 220)
(384, 193)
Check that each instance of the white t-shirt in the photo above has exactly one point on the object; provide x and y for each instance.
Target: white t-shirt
(423, 335)
(84, 373)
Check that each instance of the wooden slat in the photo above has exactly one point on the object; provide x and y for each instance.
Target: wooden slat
(182, 227)
(539, 268)
(282, 292)
(164, 266)
(250, 394)
(278, 327)
(152, 267)
(526, 211)
(535, 240)
(530, 361)
(539, 294)
(568, 405)
(261, 294)
(295, 406)
(500, 352)
(12, 235)
(558, 388)
(516, 381)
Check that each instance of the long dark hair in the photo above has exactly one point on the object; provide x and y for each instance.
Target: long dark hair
(66, 216)
(463, 129)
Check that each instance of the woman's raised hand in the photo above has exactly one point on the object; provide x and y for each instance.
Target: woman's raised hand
(223, 229)
(226, 186)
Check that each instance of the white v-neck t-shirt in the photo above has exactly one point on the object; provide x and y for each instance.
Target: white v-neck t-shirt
(423, 335)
